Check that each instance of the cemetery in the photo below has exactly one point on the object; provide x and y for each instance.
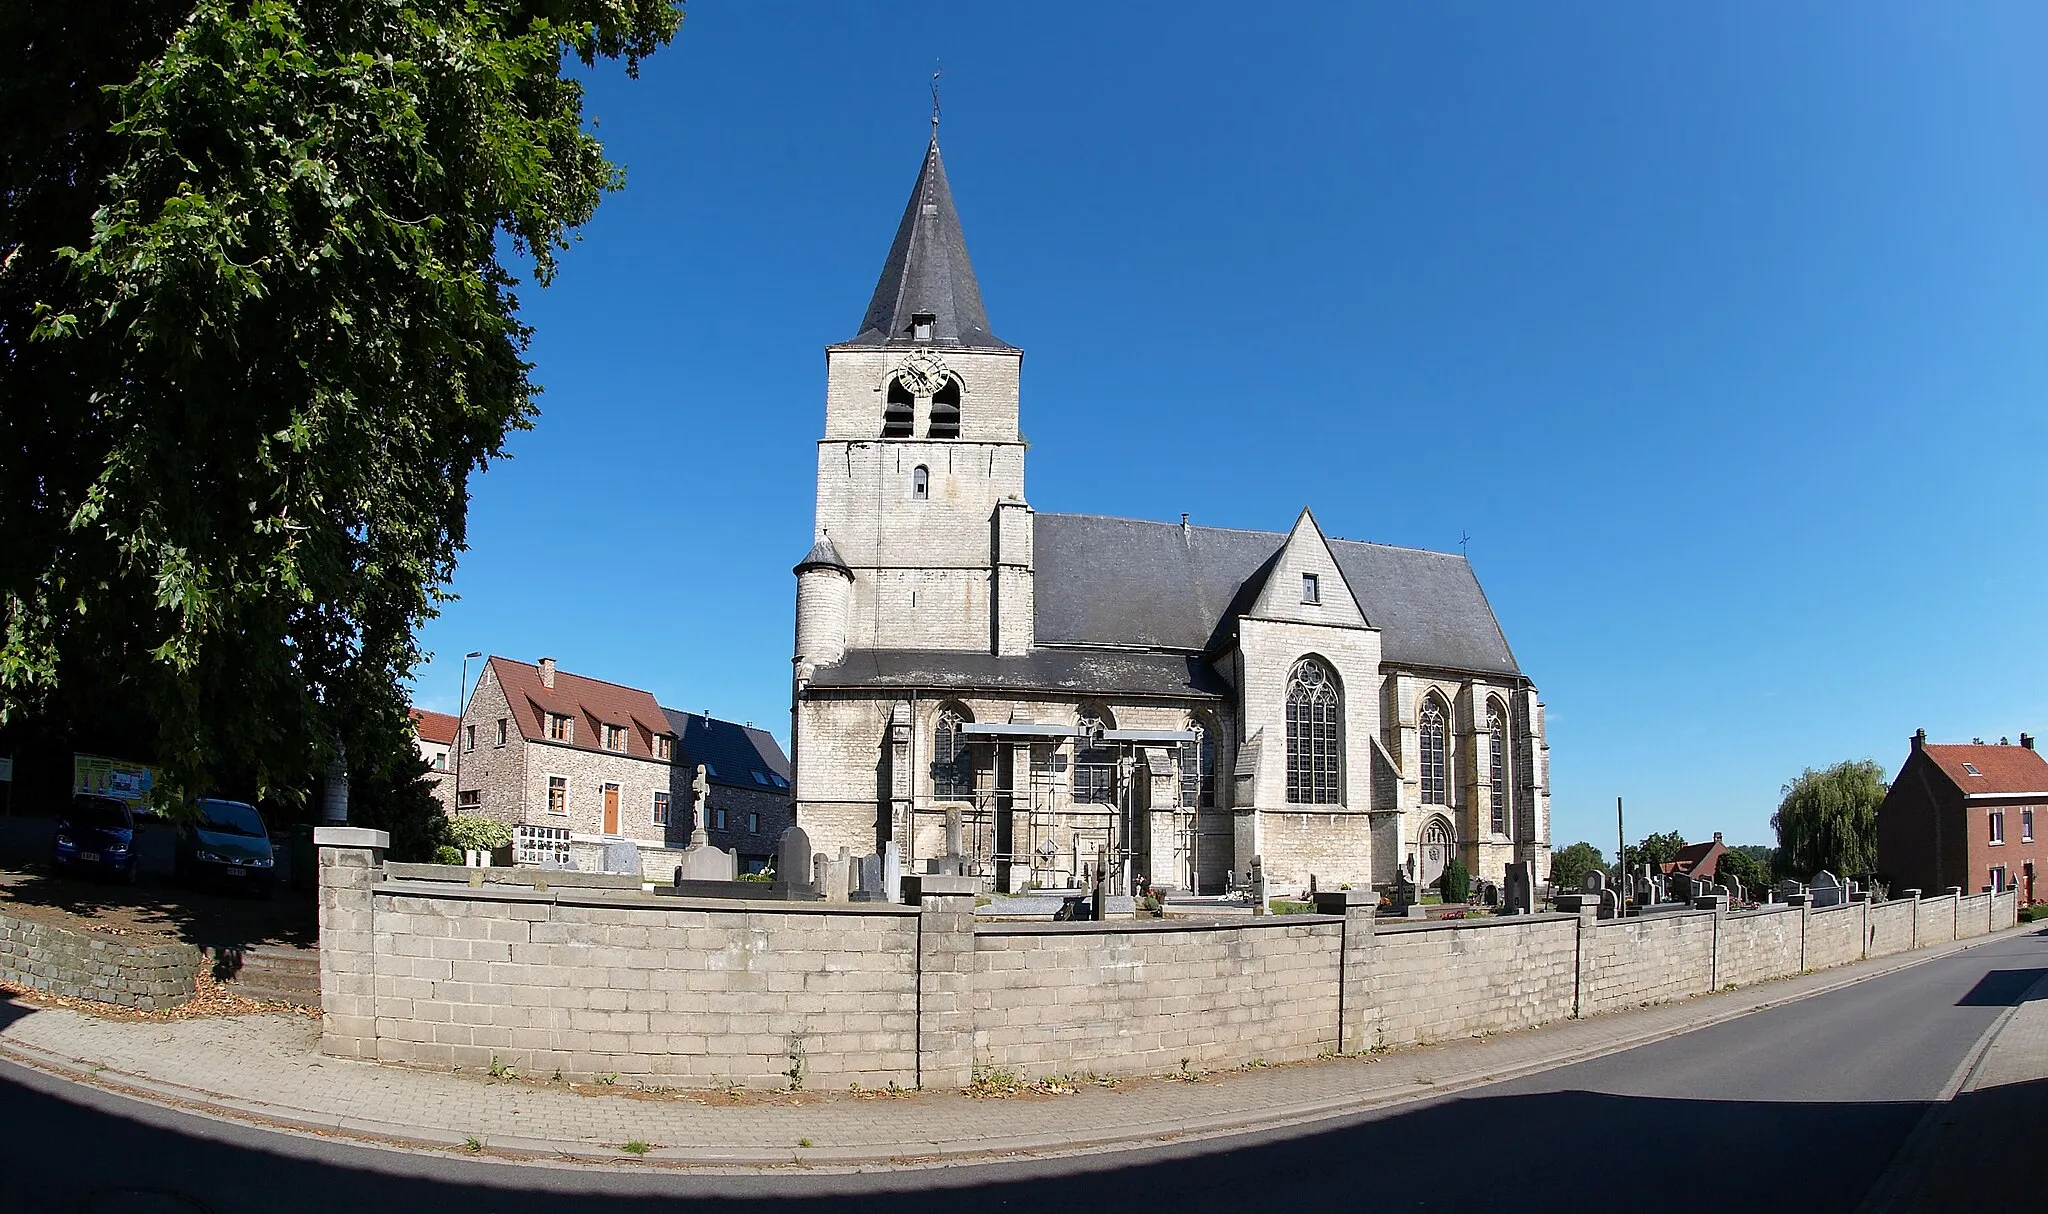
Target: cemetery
(846, 970)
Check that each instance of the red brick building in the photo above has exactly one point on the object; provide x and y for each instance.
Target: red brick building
(1967, 815)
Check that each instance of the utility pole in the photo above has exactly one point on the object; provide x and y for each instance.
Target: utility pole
(461, 709)
(1620, 846)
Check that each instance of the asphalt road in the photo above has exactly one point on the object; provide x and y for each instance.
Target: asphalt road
(1798, 1108)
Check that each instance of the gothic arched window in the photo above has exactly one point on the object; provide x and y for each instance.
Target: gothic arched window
(1094, 761)
(900, 413)
(1315, 734)
(1198, 764)
(946, 410)
(1497, 732)
(1436, 784)
(952, 763)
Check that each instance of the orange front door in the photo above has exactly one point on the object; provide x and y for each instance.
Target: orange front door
(611, 809)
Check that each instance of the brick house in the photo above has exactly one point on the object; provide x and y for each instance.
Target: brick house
(1966, 815)
(591, 761)
(434, 735)
(1699, 861)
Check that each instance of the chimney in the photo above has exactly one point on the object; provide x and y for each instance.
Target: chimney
(2027, 740)
(547, 673)
(1717, 836)
(1919, 739)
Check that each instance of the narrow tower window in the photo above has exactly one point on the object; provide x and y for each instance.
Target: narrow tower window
(920, 483)
(897, 415)
(946, 410)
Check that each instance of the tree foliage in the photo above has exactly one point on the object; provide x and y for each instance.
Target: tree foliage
(1457, 881)
(1828, 820)
(257, 329)
(1654, 850)
(1750, 865)
(1569, 865)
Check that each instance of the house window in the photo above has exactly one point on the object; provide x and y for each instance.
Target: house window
(1998, 826)
(560, 728)
(1497, 729)
(661, 809)
(2026, 826)
(558, 794)
(1314, 735)
(501, 731)
(1998, 879)
(1436, 782)
(615, 738)
(469, 737)
(753, 823)
(440, 760)
(920, 483)
(946, 411)
(664, 746)
(1311, 589)
(469, 799)
(952, 764)
(718, 818)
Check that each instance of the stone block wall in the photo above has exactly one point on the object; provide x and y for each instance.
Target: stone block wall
(1652, 960)
(1438, 981)
(1757, 946)
(81, 965)
(1060, 998)
(699, 993)
(1973, 915)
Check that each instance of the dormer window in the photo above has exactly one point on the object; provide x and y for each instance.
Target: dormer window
(921, 326)
(664, 746)
(615, 738)
(920, 484)
(559, 729)
(1311, 589)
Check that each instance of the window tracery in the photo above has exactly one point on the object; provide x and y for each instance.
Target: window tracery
(1435, 753)
(1314, 735)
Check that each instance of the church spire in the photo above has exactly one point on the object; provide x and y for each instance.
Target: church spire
(927, 293)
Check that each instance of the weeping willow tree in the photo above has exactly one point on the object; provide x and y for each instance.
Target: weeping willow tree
(1828, 820)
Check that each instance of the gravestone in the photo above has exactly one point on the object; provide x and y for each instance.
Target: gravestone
(1827, 890)
(1595, 882)
(793, 864)
(1610, 904)
(953, 863)
(892, 872)
(1489, 895)
(835, 873)
(871, 879)
(700, 860)
(622, 856)
(1681, 887)
(1734, 885)
(1258, 885)
(1519, 896)
(1099, 890)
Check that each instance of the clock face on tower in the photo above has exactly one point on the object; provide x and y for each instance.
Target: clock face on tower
(922, 373)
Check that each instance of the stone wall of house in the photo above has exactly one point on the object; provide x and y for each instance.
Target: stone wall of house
(1061, 998)
(668, 990)
(83, 965)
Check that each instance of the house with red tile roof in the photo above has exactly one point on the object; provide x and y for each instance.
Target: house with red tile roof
(434, 735)
(572, 762)
(1966, 815)
(1699, 861)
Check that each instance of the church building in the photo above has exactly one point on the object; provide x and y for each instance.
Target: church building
(1075, 691)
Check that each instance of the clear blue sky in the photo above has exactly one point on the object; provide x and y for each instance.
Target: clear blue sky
(1720, 328)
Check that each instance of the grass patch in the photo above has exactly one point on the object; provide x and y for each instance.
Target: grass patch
(635, 1147)
(1287, 906)
(473, 1145)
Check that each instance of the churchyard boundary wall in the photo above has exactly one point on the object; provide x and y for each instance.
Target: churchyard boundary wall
(84, 965)
(441, 967)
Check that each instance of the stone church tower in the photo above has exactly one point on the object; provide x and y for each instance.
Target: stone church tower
(1178, 699)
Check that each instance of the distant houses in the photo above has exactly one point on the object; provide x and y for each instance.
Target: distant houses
(434, 734)
(1965, 815)
(572, 763)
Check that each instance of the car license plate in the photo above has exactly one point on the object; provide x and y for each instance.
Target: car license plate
(233, 872)
(92, 856)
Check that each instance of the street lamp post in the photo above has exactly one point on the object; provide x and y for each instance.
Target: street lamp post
(461, 708)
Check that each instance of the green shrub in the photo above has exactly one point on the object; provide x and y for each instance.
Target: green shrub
(1457, 882)
(473, 832)
(445, 854)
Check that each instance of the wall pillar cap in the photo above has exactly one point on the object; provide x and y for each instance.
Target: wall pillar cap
(351, 836)
(918, 887)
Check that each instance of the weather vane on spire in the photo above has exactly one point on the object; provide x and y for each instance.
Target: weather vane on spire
(936, 69)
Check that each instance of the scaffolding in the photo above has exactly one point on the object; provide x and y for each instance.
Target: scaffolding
(1079, 801)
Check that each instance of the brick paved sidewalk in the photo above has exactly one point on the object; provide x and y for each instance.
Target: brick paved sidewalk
(268, 1069)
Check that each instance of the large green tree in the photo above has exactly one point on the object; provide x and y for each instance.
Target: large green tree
(257, 329)
(1828, 820)
(1569, 865)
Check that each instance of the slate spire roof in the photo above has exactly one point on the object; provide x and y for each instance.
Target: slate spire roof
(928, 273)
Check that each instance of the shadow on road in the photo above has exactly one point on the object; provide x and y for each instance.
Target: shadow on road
(2001, 988)
(1558, 1151)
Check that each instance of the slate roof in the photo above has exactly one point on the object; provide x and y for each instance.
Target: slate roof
(2003, 769)
(821, 556)
(928, 271)
(591, 703)
(1179, 675)
(1145, 585)
(731, 753)
(436, 727)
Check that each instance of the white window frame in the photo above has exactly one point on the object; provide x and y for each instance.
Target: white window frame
(548, 783)
(1997, 819)
(2026, 826)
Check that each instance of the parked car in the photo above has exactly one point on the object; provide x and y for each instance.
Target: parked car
(223, 843)
(95, 834)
